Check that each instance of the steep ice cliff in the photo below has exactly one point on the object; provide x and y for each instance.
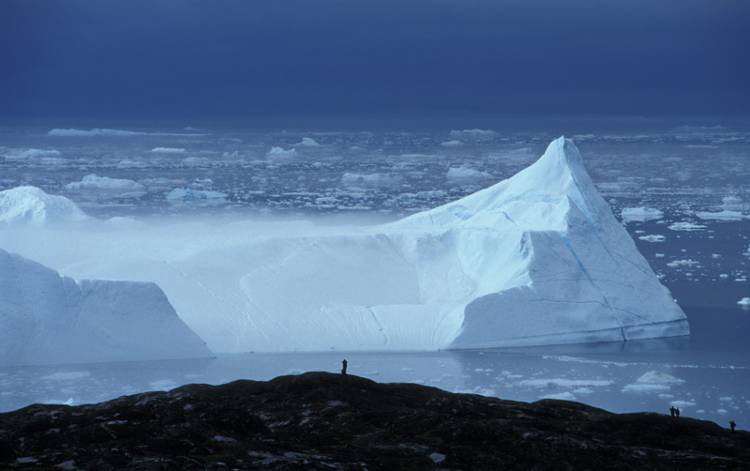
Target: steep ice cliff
(46, 318)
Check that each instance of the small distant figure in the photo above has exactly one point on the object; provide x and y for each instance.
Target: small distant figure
(343, 367)
(672, 411)
(732, 425)
(676, 411)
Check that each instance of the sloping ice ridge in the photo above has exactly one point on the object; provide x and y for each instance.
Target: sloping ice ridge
(547, 262)
(535, 259)
(46, 318)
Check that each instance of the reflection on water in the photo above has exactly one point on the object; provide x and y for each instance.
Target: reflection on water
(633, 376)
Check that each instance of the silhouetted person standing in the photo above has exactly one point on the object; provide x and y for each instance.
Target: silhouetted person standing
(677, 411)
(343, 367)
(732, 425)
(671, 411)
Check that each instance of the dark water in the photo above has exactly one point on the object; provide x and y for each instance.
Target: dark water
(707, 374)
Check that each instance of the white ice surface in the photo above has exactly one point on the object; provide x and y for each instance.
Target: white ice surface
(535, 259)
(30, 205)
(724, 215)
(168, 150)
(281, 153)
(47, 318)
(28, 154)
(107, 186)
(653, 238)
(473, 134)
(466, 173)
(308, 142)
(192, 196)
(106, 132)
(452, 143)
(641, 214)
(686, 226)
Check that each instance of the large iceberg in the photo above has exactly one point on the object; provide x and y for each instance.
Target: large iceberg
(46, 318)
(535, 259)
(544, 261)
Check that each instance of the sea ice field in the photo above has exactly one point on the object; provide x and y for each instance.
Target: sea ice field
(680, 189)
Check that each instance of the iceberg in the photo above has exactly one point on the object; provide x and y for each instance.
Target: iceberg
(536, 259)
(465, 173)
(191, 196)
(46, 318)
(281, 153)
(724, 215)
(641, 214)
(543, 260)
(106, 132)
(107, 187)
(308, 142)
(29, 154)
(168, 150)
(31, 205)
(473, 134)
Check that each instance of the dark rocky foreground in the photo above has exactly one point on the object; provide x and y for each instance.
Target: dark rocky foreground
(325, 421)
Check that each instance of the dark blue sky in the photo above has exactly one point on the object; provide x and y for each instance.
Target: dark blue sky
(233, 59)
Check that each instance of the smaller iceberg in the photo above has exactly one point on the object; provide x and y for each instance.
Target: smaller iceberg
(31, 205)
(107, 187)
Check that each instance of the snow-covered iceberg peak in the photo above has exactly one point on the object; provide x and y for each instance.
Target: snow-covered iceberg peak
(537, 198)
(540, 258)
(31, 205)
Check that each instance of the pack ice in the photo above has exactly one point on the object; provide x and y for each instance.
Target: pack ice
(535, 259)
(46, 318)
